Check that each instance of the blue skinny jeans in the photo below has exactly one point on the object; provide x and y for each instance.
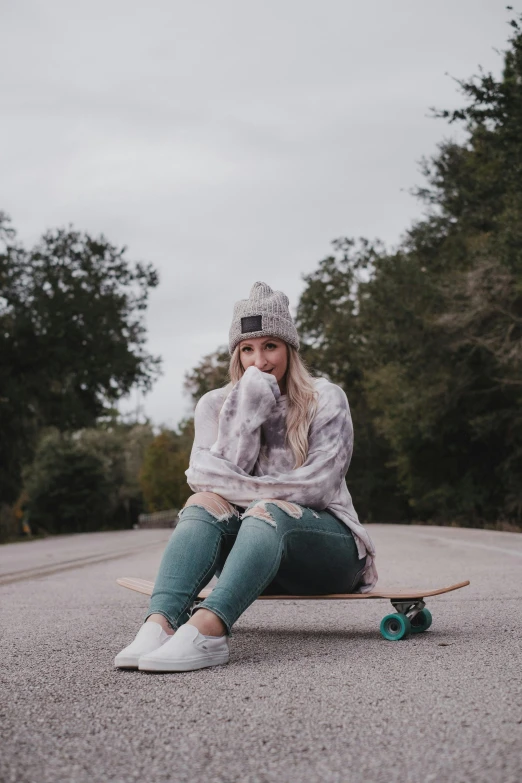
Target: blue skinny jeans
(273, 553)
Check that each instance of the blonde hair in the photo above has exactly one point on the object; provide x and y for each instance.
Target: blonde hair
(302, 400)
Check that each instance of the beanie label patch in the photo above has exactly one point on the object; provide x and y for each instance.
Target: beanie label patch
(253, 323)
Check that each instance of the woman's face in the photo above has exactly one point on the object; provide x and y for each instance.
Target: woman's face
(268, 354)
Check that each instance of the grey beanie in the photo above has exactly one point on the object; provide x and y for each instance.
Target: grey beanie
(264, 314)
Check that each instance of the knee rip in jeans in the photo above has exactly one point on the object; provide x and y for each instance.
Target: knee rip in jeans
(213, 504)
(258, 510)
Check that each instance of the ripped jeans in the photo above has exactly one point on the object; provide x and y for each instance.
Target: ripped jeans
(273, 548)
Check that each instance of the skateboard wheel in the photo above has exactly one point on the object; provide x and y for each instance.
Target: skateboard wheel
(421, 622)
(395, 627)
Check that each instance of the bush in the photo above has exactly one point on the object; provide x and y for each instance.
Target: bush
(68, 491)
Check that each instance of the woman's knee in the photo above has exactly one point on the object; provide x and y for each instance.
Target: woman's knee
(259, 510)
(217, 506)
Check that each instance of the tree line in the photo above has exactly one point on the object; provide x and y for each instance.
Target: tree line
(425, 338)
(72, 344)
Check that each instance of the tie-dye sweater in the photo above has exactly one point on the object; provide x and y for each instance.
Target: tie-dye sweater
(240, 452)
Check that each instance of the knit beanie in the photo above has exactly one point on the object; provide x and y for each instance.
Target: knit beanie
(264, 314)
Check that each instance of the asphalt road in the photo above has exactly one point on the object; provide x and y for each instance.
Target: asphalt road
(312, 692)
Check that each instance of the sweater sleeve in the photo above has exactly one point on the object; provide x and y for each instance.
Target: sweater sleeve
(245, 409)
(313, 484)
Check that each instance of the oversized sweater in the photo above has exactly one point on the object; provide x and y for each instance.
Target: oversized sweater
(240, 452)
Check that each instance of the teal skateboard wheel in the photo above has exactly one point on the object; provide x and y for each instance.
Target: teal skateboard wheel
(421, 622)
(395, 627)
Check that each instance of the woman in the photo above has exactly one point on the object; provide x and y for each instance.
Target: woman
(271, 511)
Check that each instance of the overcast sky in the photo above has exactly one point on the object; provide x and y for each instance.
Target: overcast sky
(227, 141)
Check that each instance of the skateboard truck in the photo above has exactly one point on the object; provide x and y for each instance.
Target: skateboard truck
(411, 608)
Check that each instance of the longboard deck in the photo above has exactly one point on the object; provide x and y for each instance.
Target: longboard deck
(146, 587)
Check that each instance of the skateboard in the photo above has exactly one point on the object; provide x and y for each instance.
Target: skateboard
(411, 615)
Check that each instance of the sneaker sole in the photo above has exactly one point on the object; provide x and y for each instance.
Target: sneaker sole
(181, 666)
(126, 662)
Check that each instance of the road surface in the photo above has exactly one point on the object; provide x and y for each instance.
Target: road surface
(312, 692)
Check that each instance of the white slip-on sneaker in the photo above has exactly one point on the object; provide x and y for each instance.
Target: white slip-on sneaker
(187, 650)
(149, 637)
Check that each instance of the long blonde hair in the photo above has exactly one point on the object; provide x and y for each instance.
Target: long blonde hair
(302, 400)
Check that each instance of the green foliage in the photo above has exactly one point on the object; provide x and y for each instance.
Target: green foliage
(162, 476)
(427, 341)
(67, 487)
(210, 373)
(121, 448)
(87, 480)
(336, 346)
(72, 339)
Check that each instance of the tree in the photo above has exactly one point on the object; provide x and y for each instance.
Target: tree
(162, 475)
(472, 413)
(433, 331)
(121, 448)
(211, 373)
(72, 338)
(56, 497)
(67, 488)
(335, 345)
